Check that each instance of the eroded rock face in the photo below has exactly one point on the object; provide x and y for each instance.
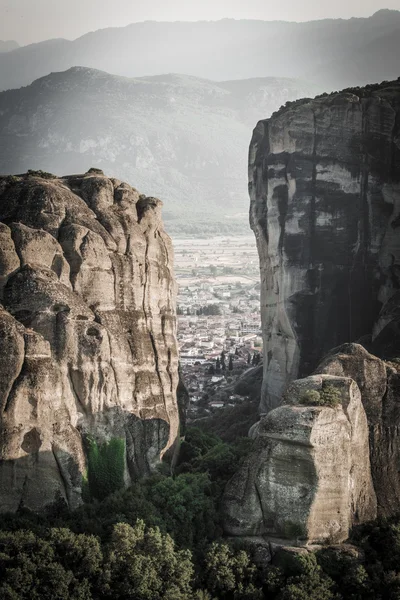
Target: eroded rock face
(309, 474)
(379, 383)
(325, 208)
(87, 332)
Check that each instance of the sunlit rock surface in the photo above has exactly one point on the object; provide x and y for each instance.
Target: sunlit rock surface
(308, 477)
(87, 332)
(325, 208)
(379, 383)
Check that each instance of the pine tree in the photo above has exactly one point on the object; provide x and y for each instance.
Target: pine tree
(223, 365)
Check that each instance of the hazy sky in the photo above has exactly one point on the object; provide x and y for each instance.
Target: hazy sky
(34, 20)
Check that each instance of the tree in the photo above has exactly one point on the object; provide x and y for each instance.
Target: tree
(218, 366)
(59, 566)
(231, 574)
(143, 564)
(223, 365)
(230, 363)
(308, 581)
(211, 370)
(186, 508)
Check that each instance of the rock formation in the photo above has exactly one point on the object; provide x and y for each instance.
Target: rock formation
(325, 209)
(379, 383)
(87, 332)
(309, 475)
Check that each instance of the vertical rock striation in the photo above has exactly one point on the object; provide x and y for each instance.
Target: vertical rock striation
(87, 332)
(325, 208)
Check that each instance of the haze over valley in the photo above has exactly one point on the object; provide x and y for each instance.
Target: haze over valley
(183, 138)
(332, 53)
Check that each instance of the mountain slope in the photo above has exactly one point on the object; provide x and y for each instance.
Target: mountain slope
(184, 139)
(8, 45)
(225, 49)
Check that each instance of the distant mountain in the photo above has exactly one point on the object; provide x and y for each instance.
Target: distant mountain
(181, 138)
(332, 53)
(8, 45)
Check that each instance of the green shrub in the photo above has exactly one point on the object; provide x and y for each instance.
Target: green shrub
(106, 466)
(11, 179)
(328, 396)
(311, 397)
(41, 174)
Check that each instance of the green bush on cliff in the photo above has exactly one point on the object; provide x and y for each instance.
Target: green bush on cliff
(106, 466)
(41, 174)
(328, 396)
(311, 398)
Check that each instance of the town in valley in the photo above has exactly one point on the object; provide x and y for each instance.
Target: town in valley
(219, 324)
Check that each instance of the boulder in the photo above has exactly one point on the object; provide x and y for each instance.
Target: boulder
(308, 478)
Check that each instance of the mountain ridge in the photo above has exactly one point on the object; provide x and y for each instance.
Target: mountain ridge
(183, 137)
(217, 50)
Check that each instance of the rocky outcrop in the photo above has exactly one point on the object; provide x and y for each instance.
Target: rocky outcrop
(308, 476)
(87, 332)
(325, 208)
(379, 383)
(249, 384)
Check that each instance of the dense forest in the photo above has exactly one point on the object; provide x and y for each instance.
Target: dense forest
(162, 539)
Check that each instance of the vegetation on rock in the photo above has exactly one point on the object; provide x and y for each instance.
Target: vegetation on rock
(328, 396)
(161, 539)
(106, 465)
(41, 174)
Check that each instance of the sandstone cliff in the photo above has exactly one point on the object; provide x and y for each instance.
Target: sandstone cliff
(325, 208)
(87, 332)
